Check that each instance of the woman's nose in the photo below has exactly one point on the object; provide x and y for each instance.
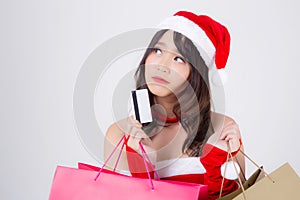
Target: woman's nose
(163, 68)
(164, 64)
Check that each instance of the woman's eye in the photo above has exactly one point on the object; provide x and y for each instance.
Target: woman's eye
(157, 51)
(178, 59)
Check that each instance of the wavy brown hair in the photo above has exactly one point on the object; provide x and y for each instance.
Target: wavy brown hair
(193, 107)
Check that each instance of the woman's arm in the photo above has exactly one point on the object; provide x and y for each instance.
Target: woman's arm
(215, 154)
(132, 130)
(231, 133)
(226, 131)
(112, 137)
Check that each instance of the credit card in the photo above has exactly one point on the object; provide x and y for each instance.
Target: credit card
(141, 104)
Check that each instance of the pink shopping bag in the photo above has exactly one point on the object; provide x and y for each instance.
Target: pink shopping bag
(72, 183)
(90, 183)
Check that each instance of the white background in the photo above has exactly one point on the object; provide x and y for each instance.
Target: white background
(44, 43)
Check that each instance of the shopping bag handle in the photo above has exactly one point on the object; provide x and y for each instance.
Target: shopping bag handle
(236, 171)
(120, 153)
(261, 168)
(109, 157)
(144, 155)
(145, 162)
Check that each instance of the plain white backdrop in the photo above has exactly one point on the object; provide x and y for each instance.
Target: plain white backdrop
(43, 45)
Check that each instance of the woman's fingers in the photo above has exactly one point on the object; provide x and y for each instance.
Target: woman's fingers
(128, 125)
(146, 141)
(231, 128)
(234, 144)
(231, 134)
(134, 121)
(138, 135)
(135, 130)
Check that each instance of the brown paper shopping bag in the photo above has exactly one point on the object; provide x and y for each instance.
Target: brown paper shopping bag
(248, 183)
(283, 183)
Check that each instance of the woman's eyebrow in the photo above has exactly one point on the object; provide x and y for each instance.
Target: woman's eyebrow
(161, 44)
(165, 46)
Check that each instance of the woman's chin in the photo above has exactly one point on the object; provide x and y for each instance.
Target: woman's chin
(159, 90)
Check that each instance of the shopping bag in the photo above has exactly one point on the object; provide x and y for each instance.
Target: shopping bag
(284, 184)
(72, 183)
(94, 168)
(88, 184)
(89, 167)
(248, 183)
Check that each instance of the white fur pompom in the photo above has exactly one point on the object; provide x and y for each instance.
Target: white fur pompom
(220, 77)
(230, 171)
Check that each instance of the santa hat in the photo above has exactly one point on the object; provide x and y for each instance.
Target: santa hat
(211, 38)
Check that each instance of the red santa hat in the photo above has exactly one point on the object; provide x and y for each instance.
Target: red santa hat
(211, 38)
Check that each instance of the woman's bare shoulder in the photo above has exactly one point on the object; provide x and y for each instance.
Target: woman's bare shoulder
(115, 132)
(112, 137)
(221, 118)
(219, 121)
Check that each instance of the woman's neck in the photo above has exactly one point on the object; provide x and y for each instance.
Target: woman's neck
(167, 103)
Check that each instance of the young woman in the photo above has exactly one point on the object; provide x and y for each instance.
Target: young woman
(186, 141)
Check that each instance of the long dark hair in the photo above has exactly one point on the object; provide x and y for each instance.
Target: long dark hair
(194, 110)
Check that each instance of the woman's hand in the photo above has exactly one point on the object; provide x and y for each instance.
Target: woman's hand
(230, 133)
(137, 134)
(133, 128)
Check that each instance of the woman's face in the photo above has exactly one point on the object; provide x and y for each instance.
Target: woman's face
(166, 70)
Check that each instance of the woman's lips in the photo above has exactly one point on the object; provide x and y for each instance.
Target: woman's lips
(160, 80)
